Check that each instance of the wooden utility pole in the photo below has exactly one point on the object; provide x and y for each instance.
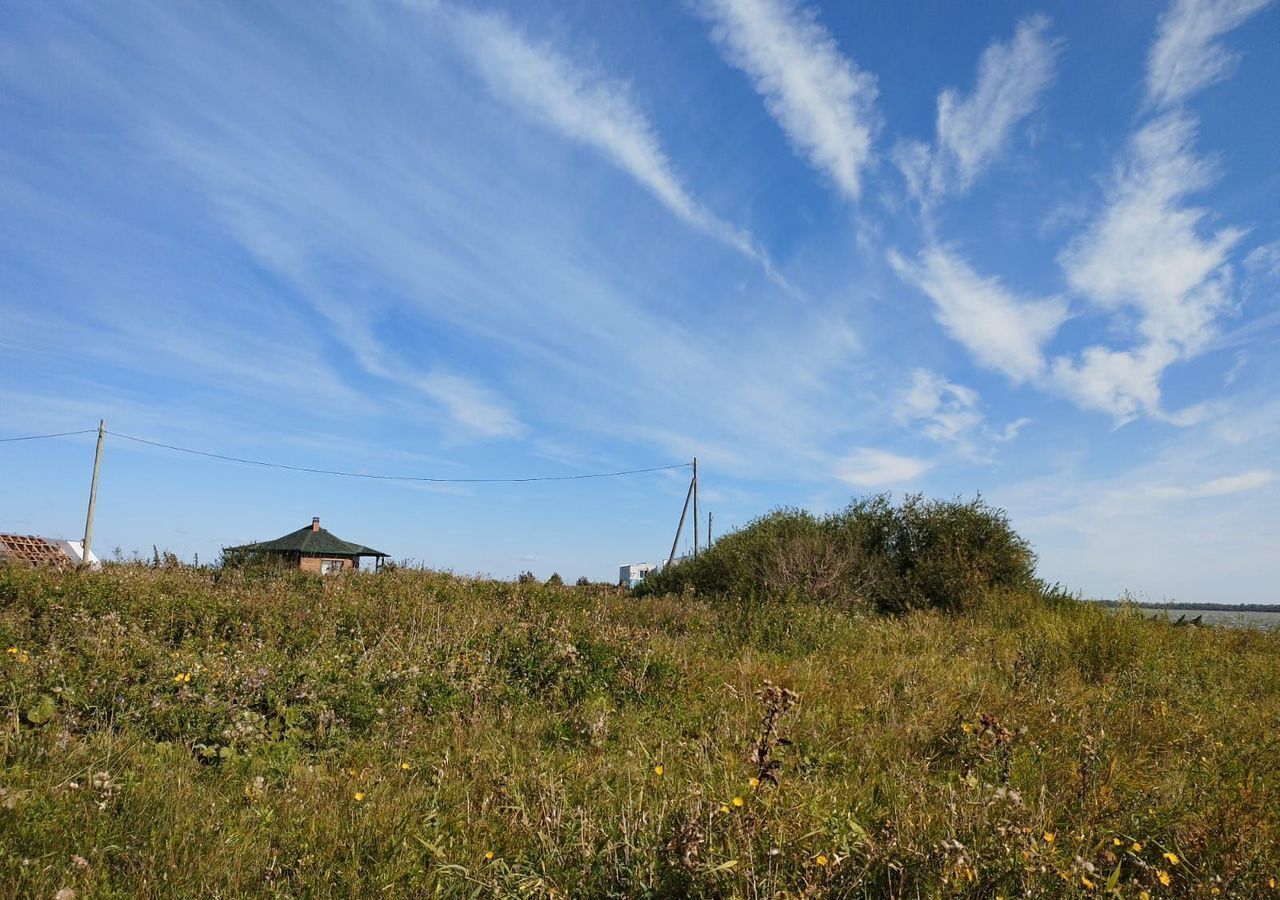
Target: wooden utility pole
(93, 494)
(708, 530)
(695, 507)
(680, 527)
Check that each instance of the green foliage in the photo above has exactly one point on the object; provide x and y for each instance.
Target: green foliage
(175, 732)
(555, 580)
(922, 554)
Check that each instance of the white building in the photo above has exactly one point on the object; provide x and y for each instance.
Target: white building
(632, 575)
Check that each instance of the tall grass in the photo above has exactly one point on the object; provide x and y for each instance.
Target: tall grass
(184, 733)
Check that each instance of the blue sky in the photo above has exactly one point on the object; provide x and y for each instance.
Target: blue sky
(1027, 251)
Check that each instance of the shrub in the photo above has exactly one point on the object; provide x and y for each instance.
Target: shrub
(555, 580)
(945, 554)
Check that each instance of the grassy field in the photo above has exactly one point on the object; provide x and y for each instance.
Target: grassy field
(183, 733)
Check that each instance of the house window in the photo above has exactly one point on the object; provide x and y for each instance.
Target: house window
(330, 566)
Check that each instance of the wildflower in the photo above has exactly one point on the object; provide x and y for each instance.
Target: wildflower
(1144, 895)
(1172, 857)
(404, 766)
(358, 796)
(723, 808)
(182, 678)
(1136, 847)
(754, 783)
(21, 656)
(967, 727)
(1116, 841)
(488, 854)
(821, 860)
(738, 801)
(658, 770)
(1164, 877)
(1215, 890)
(1048, 837)
(1084, 879)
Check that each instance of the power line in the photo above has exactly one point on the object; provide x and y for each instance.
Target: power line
(37, 437)
(418, 478)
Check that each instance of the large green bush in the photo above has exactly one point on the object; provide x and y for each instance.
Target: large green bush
(945, 554)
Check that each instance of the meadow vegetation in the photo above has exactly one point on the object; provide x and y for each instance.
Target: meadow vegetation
(941, 554)
(180, 732)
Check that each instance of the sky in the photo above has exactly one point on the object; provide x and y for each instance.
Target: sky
(1026, 251)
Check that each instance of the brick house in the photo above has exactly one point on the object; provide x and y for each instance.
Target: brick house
(311, 549)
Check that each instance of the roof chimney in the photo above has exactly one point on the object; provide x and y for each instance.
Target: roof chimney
(315, 523)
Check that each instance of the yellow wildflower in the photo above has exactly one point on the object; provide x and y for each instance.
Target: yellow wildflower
(21, 656)
(1172, 857)
(1084, 879)
(821, 860)
(405, 766)
(488, 854)
(754, 782)
(182, 678)
(658, 770)
(1136, 847)
(1164, 877)
(738, 801)
(358, 796)
(1048, 837)
(1215, 890)
(1117, 841)
(1144, 895)
(723, 808)
(967, 728)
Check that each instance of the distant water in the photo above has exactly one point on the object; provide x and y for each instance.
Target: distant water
(1268, 621)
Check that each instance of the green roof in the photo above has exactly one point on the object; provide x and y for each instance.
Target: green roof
(311, 540)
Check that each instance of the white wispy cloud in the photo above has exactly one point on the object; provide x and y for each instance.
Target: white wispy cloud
(591, 108)
(951, 413)
(1149, 255)
(1216, 487)
(948, 410)
(870, 468)
(1105, 532)
(824, 103)
(973, 129)
(475, 408)
(1001, 330)
(1186, 55)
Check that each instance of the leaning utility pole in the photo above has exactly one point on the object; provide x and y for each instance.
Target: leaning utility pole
(695, 507)
(680, 527)
(93, 494)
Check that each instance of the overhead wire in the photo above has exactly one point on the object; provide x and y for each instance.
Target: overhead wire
(36, 437)
(377, 477)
